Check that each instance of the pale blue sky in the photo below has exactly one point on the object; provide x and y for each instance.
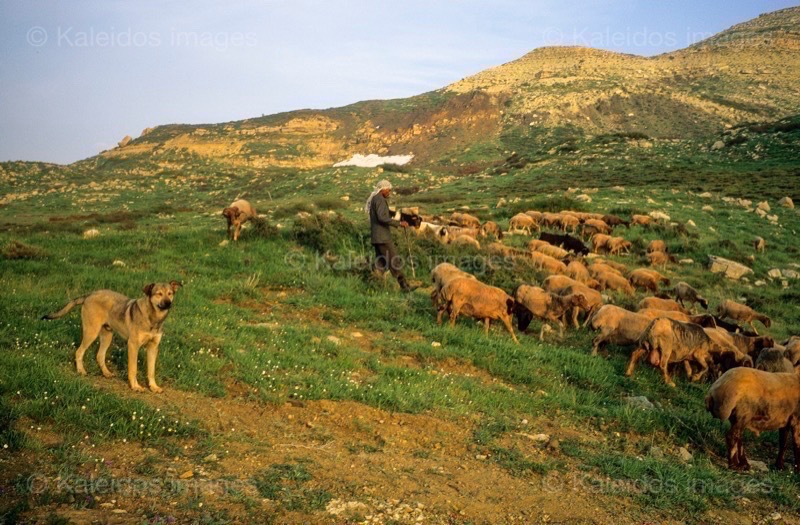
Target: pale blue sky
(76, 76)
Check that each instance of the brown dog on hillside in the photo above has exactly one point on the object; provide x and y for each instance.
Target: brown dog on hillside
(137, 320)
(237, 214)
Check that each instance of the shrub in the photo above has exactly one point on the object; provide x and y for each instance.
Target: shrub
(20, 250)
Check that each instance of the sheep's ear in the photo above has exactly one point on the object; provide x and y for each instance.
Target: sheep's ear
(148, 289)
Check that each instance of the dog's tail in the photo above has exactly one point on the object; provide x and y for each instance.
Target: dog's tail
(64, 311)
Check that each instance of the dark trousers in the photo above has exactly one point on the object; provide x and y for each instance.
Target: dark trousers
(386, 258)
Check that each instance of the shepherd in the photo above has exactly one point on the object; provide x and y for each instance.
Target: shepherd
(380, 221)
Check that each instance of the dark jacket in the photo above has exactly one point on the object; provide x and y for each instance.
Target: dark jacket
(380, 219)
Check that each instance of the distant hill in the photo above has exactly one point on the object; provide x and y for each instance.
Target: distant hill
(748, 73)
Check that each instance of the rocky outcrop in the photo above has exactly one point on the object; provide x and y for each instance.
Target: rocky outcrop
(731, 269)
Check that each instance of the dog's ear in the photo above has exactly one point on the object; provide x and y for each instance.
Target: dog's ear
(175, 285)
(227, 212)
(148, 289)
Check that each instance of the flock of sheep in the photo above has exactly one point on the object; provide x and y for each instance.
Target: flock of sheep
(757, 384)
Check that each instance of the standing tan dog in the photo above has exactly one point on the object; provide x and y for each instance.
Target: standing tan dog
(137, 320)
(237, 214)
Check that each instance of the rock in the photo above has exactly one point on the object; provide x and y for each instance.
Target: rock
(583, 198)
(660, 216)
(706, 195)
(436, 344)
(187, 475)
(554, 445)
(500, 203)
(357, 335)
(763, 205)
(345, 198)
(691, 223)
(785, 284)
(686, 261)
(480, 457)
(759, 283)
(618, 188)
(761, 213)
(791, 274)
(717, 145)
(333, 339)
(124, 142)
(786, 202)
(775, 273)
(223, 243)
(684, 455)
(758, 466)
(118, 262)
(106, 505)
(707, 208)
(656, 452)
(772, 218)
(540, 438)
(119, 511)
(775, 516)
(731, 269)
(211, 458)
(316, 340)
(91, 233)
(640, 402)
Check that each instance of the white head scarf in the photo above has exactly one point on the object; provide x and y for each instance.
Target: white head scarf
(382, 185)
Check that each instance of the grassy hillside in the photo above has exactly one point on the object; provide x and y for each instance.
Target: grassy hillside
(297, 388)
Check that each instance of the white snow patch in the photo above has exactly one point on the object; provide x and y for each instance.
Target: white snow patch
(373, 161)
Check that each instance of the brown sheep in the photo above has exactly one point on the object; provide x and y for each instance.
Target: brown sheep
(743, 314)
(759, 244)
(647, 279)
(668, 341)
(657, 303)
(533, 301)
(793, 350)
(592, 226)
(729, 354)
(685, 293)
(569, 222)
(551, 220)
(465, 220)
(641, 220)
(547, 263)
(456, 231)
(594, 300)
(578, 271)
(774, 360)
(615, 282)
(479, 301)
(464, 240)
(522, 222)
(617, 245)
(660, 259)
(491, 228)
(657, 246)
(613, 221)
(553, 251)
(535, 215)
(619, 267)
(238, 213)
(600, 242)
(757, 401)
(441, 275)
(617, 326)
